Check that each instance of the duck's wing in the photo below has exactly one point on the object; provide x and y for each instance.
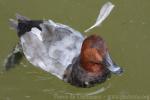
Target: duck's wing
(37, 54)
(63, 43)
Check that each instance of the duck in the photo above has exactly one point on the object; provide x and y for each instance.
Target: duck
(64, 52)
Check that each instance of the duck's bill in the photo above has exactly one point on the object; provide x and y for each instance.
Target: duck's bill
(111, 65)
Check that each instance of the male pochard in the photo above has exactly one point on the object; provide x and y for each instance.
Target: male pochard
(65, 52)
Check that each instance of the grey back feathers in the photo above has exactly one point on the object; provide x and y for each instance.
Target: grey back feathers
(48, 45)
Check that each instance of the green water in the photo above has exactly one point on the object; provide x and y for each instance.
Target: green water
(127, 32)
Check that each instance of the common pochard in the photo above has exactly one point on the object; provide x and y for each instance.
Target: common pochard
(64, 52)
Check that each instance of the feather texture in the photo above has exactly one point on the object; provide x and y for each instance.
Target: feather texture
(104, 12)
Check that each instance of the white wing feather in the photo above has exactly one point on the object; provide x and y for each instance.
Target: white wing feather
(104, 12)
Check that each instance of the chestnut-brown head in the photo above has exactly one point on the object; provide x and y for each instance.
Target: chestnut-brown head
(95, 58)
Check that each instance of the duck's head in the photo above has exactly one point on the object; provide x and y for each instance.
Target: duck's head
(94, 64)
(95, 56)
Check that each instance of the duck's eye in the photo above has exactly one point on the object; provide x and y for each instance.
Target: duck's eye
(86, 83)
(94, 62)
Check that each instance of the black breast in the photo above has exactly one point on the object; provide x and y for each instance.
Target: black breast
(26, 25)
(79, 77)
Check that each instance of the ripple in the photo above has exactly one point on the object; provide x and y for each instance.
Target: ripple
(41, 78)
(95, 92)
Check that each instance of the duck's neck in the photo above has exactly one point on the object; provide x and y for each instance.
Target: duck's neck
(75, 74)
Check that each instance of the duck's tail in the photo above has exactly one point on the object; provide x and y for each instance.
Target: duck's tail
(19, 18)
(16, 54)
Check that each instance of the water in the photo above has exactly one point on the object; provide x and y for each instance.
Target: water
(126, 31)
